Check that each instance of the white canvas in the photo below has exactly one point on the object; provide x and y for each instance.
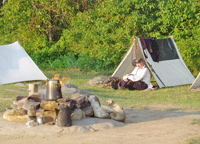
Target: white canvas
(17, 66)
(196, 84)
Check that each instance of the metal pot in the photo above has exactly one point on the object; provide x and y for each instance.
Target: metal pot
(53, 90)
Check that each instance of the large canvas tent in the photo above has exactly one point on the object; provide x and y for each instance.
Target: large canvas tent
(17, 66)
(196, 84)
(169, 71)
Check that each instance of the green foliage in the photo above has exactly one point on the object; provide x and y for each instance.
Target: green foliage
(98, 33)
(181, 18)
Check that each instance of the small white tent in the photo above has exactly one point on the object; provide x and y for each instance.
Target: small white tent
(196, 84)
(17, 66)
(171, 70)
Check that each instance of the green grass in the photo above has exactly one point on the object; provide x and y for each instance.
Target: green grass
(178, 96)
(195, 121)
(195, 140)
(175, 97)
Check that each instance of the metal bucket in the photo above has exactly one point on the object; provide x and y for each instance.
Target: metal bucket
(53, 89)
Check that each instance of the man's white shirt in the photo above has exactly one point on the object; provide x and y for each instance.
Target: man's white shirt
(141, 74)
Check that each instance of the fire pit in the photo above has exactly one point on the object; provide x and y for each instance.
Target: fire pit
(54, 109)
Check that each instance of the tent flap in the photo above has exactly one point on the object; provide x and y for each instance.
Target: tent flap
(17, 66)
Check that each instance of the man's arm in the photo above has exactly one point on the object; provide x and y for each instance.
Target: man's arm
(139, 76)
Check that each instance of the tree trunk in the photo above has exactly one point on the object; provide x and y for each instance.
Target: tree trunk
(1, 3)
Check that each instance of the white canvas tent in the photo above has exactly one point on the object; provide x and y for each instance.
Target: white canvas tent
(17, 66)
(171, 70)
(196, 84)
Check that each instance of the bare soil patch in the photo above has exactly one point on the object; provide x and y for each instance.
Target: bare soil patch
(160, 124)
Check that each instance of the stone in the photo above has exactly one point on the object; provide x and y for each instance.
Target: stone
(40, 111)
(49, 116)
(78, 114)
(48, 105)
(88, 111)
(12, 115)
(32, 110)
(68, 90)
(98, 80)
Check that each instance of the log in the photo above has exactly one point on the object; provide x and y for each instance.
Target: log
(71, 104)
(19, 97)
(64, 99)
(30, 104)
(98, 111)
(37, 97)
(75, 96)
(19, 104)
(79, 100)
(83, 105)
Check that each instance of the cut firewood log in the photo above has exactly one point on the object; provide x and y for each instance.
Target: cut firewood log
(83, 105)
(64, 99)
(116, 112)
(19, 104)
(75, 96)
(71, 104)
(48, 105)
(30, 104)
(79, 100)
(37, 97)
(19, 97)
(98, 111)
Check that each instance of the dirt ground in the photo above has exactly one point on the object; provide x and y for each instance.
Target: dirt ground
(152, 125)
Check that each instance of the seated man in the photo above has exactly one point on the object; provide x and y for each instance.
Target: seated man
(139, 79)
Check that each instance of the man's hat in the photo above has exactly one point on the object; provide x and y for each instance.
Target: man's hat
(138, 60)
(134, 61)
